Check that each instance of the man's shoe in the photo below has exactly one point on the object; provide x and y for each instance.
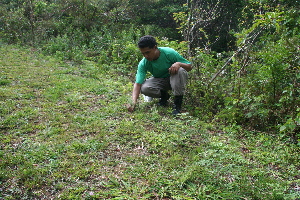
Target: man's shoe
(177, 105)
(176, 112)
(163, 98)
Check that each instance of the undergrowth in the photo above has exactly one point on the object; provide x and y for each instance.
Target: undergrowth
(66, 134)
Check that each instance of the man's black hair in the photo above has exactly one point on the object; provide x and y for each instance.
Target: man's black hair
(147, 41)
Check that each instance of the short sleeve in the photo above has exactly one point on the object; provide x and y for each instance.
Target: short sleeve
(141, 72)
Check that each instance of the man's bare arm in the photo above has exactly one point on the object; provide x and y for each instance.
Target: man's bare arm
(136, 92)
(135, 95)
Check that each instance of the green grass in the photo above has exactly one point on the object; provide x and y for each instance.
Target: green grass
(66, 134)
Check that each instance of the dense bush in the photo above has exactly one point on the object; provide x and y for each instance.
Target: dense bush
(259, 86)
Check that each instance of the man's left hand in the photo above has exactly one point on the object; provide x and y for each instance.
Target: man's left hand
(174, 68)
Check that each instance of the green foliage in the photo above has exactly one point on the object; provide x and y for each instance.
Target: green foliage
(66, 134)
(270, 80)
(291, 126)
(259, 84)
(65, 131)
(266, 83)
(258, 87)
(209, 24)
(35, 22)
(64, 48)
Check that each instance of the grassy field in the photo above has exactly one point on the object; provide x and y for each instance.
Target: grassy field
(66, 134)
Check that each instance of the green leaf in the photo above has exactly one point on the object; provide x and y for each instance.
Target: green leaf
(282, 128)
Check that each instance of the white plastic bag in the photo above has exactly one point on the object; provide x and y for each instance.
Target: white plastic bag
(147, 99)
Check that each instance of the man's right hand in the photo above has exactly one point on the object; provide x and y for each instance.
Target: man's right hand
(135, 95)
(131, 107)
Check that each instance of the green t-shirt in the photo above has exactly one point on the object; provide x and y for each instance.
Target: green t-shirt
(159, 67)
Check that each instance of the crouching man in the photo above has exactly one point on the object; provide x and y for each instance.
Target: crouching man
(169, 70)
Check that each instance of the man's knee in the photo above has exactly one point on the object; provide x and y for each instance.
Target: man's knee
(145, 89)
(150, 91)
(179, 81)
(180, 77)
(182, 71)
